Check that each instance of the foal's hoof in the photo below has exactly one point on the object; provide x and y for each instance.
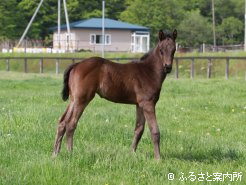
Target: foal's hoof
(54, 155)
(158, 158)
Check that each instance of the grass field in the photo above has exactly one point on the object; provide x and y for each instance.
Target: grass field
(202, 124)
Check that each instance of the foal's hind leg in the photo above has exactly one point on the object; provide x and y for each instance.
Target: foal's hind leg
(68, 124)
(61, 129)
(78, 108)
(139, 129)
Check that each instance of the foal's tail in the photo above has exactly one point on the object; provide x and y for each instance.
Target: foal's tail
(65, 90)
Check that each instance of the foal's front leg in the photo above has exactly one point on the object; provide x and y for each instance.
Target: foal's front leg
(149, 113)
(139, 129)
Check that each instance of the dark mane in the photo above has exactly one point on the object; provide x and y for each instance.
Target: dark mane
(146, 55)
(168, 34)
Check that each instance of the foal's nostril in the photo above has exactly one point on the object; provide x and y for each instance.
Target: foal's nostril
(168, 68)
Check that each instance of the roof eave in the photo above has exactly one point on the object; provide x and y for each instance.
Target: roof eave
(133, 29)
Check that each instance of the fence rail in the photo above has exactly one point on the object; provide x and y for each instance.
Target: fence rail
(177, 61)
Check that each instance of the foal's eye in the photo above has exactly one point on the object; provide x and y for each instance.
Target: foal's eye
(161, 51)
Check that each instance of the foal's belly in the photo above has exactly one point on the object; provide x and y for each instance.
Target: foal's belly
(117, 93)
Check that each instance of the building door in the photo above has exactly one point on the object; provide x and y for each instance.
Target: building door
(140, 42)
(144, 44)
(137, 44)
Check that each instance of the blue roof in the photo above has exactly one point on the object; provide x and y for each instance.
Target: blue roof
(96, 23)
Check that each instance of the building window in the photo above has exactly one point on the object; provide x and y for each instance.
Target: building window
(98, 39)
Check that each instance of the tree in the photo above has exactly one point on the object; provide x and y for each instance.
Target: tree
(154, 14)
(223, 9)
(194, 27)
(46, 17)
(230, 31)
(81, 9)
(9, 19)
(114, 8)
(194, 30)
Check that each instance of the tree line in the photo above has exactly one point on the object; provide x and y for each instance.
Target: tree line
(192, 18)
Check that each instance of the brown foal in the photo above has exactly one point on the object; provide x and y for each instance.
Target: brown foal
(136, 83)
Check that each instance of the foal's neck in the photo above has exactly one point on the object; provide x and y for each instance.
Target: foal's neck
(154, 60)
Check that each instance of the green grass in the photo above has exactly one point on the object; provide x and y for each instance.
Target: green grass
(202, 124)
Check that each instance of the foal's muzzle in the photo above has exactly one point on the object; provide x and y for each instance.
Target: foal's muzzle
(168, 68)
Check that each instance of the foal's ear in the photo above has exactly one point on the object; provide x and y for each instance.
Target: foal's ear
(161, 35)
(175, 34)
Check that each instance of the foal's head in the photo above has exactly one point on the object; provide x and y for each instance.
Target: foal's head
(166, 49)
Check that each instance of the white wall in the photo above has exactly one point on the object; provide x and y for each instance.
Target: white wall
(80, 39)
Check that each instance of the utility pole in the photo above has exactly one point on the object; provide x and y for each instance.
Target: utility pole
(59, 25)
(103, 27)
(29, 24)
(68, 25)
(213, 25)
(245, 25)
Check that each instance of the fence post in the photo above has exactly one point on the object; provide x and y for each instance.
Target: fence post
(25, 65)
(7, 65)
(192, 68)
(41, 66)
(209, 68)
(73, 61)
(227, 69)
(177, 68)
(203, 48)
(57, 66)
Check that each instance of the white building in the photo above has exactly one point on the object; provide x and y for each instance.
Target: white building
(87, 35)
